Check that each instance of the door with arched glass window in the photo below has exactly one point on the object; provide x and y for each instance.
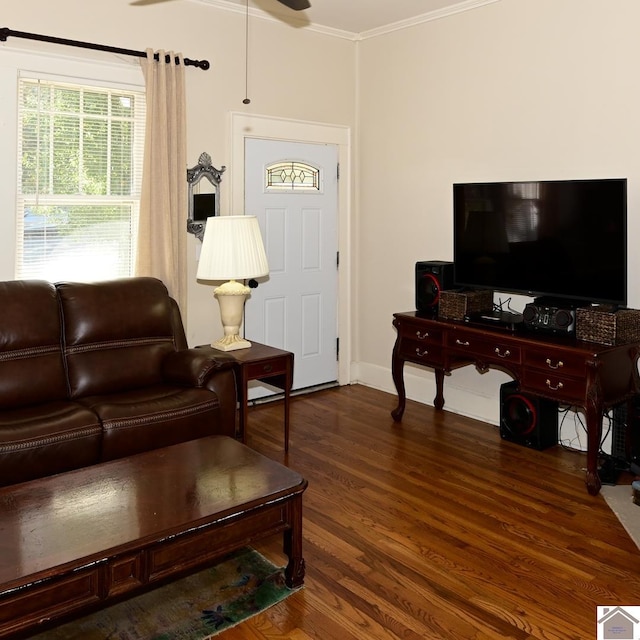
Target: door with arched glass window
(293, 190)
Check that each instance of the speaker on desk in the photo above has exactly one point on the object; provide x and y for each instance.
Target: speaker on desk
(546, 318)
(526, 419)
(432, 277)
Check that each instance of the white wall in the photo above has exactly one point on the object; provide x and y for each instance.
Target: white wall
(515, 90)
(293, 73)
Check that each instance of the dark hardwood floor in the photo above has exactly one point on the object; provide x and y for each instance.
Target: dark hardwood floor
(435, 528)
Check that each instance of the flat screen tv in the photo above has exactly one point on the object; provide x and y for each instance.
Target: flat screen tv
(560, 239)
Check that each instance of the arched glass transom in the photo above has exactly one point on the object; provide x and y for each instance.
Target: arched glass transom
(292, 176)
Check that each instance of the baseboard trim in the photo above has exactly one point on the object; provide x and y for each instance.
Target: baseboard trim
(296, 392)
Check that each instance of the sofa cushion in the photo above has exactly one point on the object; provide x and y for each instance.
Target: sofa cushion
(31, 363)
(116, 334)
(156, 416)
(45, 439)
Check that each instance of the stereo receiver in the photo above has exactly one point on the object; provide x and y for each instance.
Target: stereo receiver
(548, 318)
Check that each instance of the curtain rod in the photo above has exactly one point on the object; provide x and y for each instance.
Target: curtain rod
(5, 32)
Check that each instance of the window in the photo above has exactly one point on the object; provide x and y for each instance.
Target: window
(292, 176)
(523, 212)
(80, 151)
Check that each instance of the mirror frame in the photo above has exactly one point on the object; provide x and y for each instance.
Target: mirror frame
(204, 169)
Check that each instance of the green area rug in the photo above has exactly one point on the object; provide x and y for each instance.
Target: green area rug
(193, 608)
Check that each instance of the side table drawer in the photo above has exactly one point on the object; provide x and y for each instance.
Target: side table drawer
(258, 370)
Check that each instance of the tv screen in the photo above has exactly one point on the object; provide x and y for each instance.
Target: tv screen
(563, 239)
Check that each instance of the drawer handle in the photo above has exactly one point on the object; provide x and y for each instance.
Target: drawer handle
(558, 365)
(422, 336)
(422, 353)
(506, 354)
(556, 388)
(462, 343)
(268, 368)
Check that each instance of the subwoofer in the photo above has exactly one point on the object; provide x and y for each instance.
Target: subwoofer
(432, 277)
(527, 420)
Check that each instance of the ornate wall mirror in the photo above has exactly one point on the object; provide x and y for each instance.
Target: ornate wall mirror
(204, 194)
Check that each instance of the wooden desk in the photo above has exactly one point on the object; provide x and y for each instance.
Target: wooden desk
(581, 374)
(268, 364)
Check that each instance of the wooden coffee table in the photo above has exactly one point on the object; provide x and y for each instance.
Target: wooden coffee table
(74, 542)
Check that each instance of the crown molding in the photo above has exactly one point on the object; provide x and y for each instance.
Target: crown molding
(299, 23)
(465, 5)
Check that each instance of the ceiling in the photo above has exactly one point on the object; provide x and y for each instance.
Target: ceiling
(358, 16)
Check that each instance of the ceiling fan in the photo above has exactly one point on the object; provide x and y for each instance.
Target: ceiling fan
(296, 5)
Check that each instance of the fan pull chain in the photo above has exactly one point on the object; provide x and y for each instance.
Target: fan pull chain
(246, 57)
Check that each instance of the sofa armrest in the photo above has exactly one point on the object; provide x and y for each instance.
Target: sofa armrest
(208, 369)
(193, 367)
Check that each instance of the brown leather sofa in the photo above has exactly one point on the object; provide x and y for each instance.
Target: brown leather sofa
(93, 372)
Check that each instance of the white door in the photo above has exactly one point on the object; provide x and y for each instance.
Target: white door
(292, 188)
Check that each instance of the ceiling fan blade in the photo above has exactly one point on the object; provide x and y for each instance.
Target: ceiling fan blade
(142, 3)
(296, 5)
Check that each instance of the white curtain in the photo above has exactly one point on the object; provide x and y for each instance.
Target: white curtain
(162, 236)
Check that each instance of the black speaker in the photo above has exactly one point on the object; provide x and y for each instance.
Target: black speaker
(548, 318)
(432, 277)
(526, 419)
(625, 436)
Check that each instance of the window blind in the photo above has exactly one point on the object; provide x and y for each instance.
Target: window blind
(80, 152)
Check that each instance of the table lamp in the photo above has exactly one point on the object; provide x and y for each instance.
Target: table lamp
(232, 250)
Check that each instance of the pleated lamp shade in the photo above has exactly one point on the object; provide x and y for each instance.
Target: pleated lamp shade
(232, 249)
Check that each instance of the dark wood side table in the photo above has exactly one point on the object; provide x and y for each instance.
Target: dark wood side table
(267, 364)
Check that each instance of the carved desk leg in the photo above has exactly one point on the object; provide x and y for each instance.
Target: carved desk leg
(438, 401)
(397, 372)
(594, 433)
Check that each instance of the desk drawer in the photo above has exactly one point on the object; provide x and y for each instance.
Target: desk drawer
(556, 386)
(421, 352)
(490, 350)
(556, 361)
(421, 333)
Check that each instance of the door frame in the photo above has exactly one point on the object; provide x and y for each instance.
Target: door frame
(244, 126)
